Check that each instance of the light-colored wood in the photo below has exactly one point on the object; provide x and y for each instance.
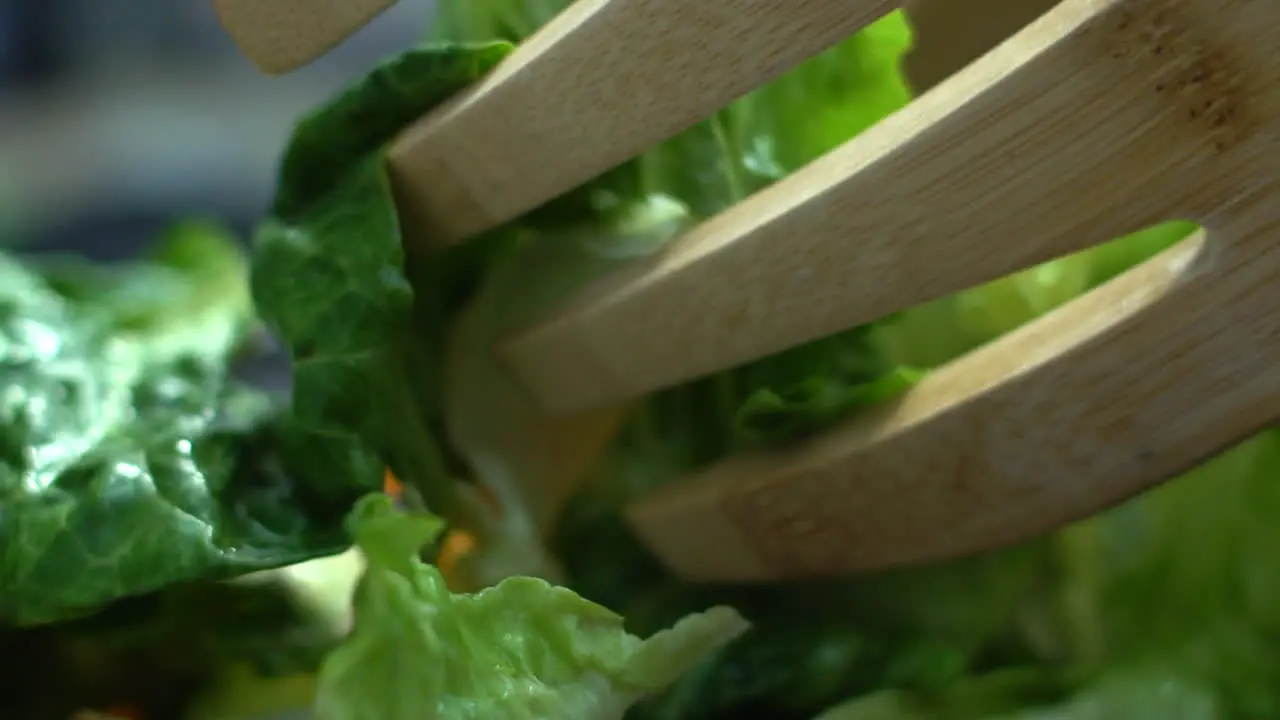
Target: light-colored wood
(1048, 145)
(1102, 117)
(1125, 387)
(604, 81)
(283, 35)
(1099, 118)
(949, 34)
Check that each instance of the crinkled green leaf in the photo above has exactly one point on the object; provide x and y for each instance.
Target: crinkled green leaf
(354, 126)
(521, 649)
(128, 459)
(778, 412)
(329, 278)
(193, 277)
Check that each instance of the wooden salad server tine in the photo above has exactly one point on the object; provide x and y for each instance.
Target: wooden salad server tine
(602, 82)
(1100, 118)
(1068, 135)
(280, 36)
(1125, 387)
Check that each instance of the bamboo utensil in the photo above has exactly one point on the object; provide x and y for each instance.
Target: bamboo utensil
(1099, 118)
(283, 35)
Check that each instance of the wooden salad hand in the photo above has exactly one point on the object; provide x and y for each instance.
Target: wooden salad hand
(279, 36)
(1100, 118)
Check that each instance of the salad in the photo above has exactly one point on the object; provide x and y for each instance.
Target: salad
(406, 536)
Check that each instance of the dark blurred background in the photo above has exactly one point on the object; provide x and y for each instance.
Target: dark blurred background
(119, 115)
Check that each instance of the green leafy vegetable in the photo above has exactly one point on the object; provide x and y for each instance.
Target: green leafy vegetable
(522, 649)
(193, 277)
(328, 276)
(128, 459)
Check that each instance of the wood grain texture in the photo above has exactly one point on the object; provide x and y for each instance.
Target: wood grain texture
(1066, 136)
(1134, 383)
(282, 35)
(1111, 394)
(950, 34)
(604, 81)
(1100, 117)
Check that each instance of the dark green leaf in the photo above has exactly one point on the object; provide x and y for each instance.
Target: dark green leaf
(777, 414)
(329, 276)
(326, 145)
(195, 266)
(128, 461)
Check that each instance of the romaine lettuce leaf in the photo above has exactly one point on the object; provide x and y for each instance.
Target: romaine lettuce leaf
(521, 649)
(130, 459)
(193, 277)
(329, 278)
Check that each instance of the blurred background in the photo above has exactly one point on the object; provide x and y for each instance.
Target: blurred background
(119, 115)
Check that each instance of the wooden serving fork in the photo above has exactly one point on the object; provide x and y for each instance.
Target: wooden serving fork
(1100, 118)
(283, 35)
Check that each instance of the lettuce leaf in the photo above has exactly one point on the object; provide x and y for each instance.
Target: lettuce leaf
(129, 459)
(329, 277)
(521, 649)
